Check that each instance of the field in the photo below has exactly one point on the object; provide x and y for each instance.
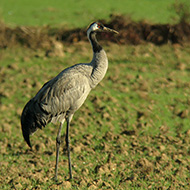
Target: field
(73, 13)
(131, 133)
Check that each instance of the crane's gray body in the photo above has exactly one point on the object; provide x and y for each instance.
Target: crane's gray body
(60, 97)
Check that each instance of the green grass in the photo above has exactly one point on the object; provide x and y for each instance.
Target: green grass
(73, 13)
(144, 79)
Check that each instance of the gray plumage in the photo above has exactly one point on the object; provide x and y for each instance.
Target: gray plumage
(60, 97)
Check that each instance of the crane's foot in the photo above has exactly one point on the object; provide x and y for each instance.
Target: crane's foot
(54, 179)
(71, 177)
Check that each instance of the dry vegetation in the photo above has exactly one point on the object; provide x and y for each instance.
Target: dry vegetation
(130, 33)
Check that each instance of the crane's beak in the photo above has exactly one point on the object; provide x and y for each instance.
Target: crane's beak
(106, 29)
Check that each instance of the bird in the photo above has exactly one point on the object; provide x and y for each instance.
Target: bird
(62, 96)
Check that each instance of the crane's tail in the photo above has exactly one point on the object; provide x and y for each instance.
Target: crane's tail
(26, 137)
(27, 122)
(32, 118)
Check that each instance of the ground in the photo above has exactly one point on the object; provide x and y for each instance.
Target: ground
(132, 132)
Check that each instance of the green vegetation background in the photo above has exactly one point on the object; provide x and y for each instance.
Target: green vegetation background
(75, 13)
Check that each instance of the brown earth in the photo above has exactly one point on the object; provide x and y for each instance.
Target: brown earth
(162, 159)
(129, 33)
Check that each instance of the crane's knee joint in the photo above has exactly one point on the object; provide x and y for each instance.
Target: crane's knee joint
(67, 141)
(58, 141)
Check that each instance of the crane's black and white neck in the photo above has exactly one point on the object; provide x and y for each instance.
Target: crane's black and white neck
(91, 34)
(99, 61)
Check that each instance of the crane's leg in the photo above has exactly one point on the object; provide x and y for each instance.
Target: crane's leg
(58, 142)
(68, 147)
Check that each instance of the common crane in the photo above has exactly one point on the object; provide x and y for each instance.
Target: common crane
(60, 97)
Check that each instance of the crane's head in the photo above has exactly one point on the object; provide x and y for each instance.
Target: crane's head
(98, 27)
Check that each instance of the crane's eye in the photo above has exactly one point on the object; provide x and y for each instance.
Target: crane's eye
(100, 26)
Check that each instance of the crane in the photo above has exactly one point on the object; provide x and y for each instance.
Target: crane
(59, 98)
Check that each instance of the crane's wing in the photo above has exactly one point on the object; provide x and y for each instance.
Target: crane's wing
(65, 93)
